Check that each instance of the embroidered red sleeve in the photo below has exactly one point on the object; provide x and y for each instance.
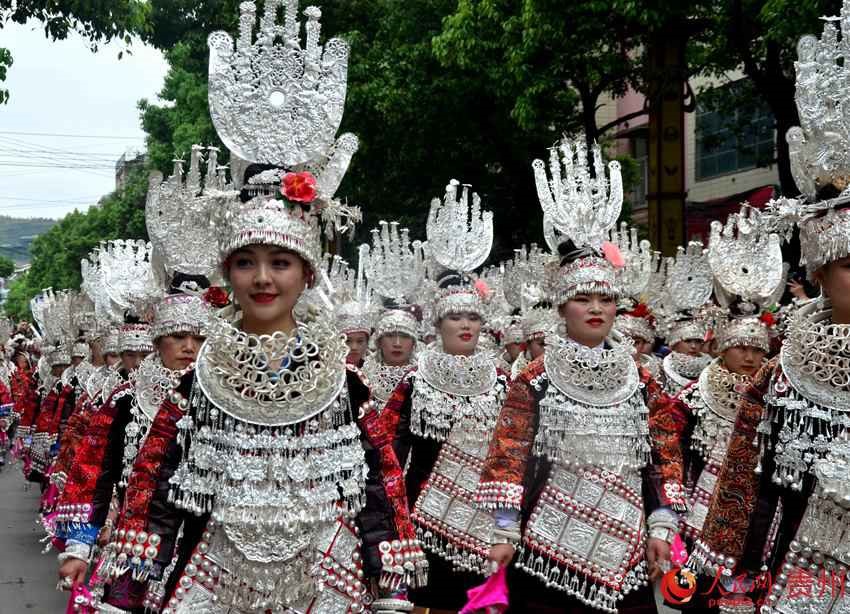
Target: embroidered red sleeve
(143, 479)
(89, 458)
(668, 422)
(77, 423)
(727, 522)
(381, 431)
(501, 481)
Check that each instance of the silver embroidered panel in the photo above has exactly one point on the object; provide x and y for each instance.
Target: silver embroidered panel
(599, 377)
(613, 437)
(236, 372)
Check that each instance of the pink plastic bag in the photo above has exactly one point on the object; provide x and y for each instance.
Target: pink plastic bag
(678, 552)
(490, 597)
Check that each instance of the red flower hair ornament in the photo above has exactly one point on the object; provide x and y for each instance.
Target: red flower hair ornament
(299, 187)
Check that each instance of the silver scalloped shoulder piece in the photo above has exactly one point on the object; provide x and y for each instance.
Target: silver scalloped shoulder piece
(394, 266)
(640, 261)
(236, 372)
(271, 100)
(814, 355)
(819, 148)
(179, 216)
(578, 205)
(688, 279)
(460, 233)
(595, 377)
(462, 376)
(745, 261)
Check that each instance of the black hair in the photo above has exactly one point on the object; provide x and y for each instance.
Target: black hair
(740, 308)
(131, 319)
(184, 278)
(569, 252)
(245, 194)
(450, 277)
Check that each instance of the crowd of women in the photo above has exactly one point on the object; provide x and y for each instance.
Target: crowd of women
(229, 419)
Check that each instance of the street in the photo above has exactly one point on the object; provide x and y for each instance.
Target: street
(27, 577)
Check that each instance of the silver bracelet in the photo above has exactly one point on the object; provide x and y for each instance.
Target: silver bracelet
(64, 556)
(664, 533)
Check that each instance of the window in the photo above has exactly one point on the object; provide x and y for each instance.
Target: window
(734, 131)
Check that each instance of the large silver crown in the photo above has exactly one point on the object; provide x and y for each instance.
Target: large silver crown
(460, 234)
(394, 266)
(178, 214)
(745, 261)
(528, 274)
(688, 281)
(119, 273)
(271, 100)
(820, 147)
(574, 203)
(52, 313)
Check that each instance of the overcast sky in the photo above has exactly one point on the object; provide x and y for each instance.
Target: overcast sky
(62, 88)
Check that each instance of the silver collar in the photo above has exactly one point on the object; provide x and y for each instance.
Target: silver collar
(465, 376)
(595, 376)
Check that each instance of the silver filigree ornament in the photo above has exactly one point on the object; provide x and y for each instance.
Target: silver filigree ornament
(634, 276)
(819, 149)
(744, 261)
(527, 274)
(581, 206)
(271, 100)
(180, 314)
(121, 274)
(688, 278)
(460, 233)
(395, 265)
(178, 215)
(52, 312)
(274, 379)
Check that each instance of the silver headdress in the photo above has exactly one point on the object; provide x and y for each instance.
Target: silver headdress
(135, 338)
(580, 208)
(687, 288)
(747, 267)
(394, 266)
(275, 103)
(180, 313)
(819, 149)
(356, 308)
(120, 278)
(111, 342)
(396, 321)
(634, 319)
(178, 214)
(81, 350)
(52, 312)
(460, 235)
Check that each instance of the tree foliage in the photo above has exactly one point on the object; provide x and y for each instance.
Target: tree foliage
(57, 253)
(95, 20)
(7, 267)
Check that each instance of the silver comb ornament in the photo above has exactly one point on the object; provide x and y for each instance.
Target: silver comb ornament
(271, 99)
(460, 234)
(178, 214)
(127, 277)
(394, 265)
(582, 206)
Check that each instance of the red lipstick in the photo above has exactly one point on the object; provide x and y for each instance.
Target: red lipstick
(466, 336)
(263, 298)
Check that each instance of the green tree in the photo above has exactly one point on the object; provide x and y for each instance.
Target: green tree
(7, 267)
(97, 21)
(56, 254)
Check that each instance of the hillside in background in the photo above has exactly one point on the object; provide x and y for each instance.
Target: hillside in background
(16, 234)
